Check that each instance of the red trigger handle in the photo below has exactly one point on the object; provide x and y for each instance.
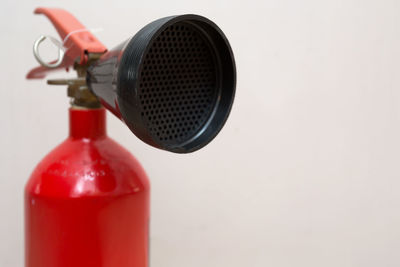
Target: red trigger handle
(78, 41)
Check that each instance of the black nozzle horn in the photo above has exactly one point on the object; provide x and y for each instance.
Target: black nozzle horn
(173, 83)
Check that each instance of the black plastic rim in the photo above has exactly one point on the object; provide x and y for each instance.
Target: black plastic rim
(176, 83)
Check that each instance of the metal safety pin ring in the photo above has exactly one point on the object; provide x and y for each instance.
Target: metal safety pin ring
(61, 52)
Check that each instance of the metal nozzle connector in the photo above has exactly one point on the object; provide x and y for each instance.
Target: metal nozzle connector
(78, 91)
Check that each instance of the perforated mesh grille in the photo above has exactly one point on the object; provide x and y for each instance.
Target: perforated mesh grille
(178, 84)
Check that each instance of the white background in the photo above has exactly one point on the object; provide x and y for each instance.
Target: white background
(306, 171)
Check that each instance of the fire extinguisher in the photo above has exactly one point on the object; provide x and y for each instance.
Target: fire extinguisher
(172, 84)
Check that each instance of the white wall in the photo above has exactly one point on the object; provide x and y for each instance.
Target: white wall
(306, 171)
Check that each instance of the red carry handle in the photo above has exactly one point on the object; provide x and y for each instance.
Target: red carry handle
(79, 42)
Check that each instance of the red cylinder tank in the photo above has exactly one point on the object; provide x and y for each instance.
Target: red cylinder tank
(87, 202)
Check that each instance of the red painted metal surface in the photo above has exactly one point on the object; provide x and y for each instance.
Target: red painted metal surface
(79, 43)
(87, 202)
